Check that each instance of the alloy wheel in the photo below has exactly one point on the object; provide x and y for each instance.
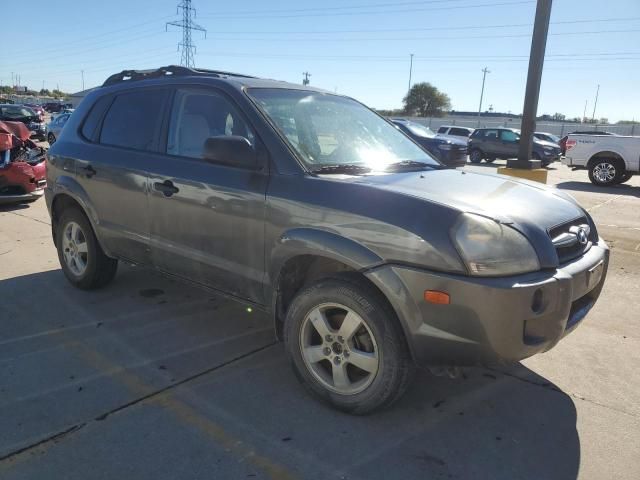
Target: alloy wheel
(604, 172)
(339, 349)
(75, 249)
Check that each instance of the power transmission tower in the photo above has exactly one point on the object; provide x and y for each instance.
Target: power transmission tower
(305, 80)
(485, 70)
(187, 24)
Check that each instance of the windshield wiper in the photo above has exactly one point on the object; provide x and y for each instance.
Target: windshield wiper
(412, 165)
(349, 168)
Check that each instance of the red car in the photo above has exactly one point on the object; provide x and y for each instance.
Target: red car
(22, 165)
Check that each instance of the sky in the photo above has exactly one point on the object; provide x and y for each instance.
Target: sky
(354, 47)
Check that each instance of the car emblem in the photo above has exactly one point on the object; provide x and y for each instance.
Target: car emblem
(582, 236)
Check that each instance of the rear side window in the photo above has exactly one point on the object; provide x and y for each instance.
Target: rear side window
(491, 134)
(442, 130)
(90, 126)
(460, 132)
(134, 120)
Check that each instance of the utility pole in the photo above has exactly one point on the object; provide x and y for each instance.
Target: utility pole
(584, 113)
(410, 71)
(12, 83)
(188, 49)
(595, 104)
(305, 80)
(485, 70)
(82, 72)
(532, 93)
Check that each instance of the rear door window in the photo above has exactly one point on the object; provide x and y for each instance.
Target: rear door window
(509, 136)
(491, 135)
(134, 120)
(442, 130)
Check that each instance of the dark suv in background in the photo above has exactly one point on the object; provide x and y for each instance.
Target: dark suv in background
(369, 256)
(490, 143)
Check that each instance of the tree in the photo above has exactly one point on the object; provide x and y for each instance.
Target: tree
(426, 100)
(559, 116)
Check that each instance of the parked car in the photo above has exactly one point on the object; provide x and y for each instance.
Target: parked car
(53, 107)
(547, 137)
(36, 108)
(452, 131)
(609, 159)
(563, 140)
(368, 255)
(492, 143)
(20, 113)
(54, 127)
(451, 152)
(22, 165)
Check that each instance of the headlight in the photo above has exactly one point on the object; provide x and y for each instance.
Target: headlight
(490, 248)
(549, 149)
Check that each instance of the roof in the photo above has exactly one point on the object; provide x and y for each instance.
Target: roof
(173, 71)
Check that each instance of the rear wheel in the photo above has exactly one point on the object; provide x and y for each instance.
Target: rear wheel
(490, 159)
(83, 261)
(346, 346)
(475, 156)
(51, 138)
(605, 171)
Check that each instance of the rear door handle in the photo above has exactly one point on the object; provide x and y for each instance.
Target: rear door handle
(89, 171)
(167, 188)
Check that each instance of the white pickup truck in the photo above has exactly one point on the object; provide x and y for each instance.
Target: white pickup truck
(610, 159)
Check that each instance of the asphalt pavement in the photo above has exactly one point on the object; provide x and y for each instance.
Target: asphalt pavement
(150, 378)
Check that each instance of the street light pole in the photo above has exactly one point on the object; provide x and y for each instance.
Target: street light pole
(532, 93)
(485, 70)
(82, 71)
(410, 72)
(584, 113)
(595, 104)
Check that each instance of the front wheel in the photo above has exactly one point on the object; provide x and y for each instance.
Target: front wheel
(605, 172)
(83, 261)
(475, 156)
(346, 346)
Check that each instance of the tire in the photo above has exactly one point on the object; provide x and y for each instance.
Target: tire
(51, 138)
(535, 156)
(490, 159)
(475, 156)
(378, 340)
(625, 178)
(605, 171)
(83, 261)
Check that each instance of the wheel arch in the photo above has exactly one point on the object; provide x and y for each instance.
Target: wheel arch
(608, 155)
(303, 255)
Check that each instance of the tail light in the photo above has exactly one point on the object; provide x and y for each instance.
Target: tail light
(570, 144)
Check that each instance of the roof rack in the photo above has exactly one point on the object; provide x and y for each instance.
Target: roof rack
(170, 70)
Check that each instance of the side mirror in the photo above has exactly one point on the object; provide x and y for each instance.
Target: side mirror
(231, 150)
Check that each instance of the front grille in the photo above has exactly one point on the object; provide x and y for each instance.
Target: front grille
(567, 243)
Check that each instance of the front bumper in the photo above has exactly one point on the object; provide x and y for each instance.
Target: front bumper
(454, 158)
(492, 320)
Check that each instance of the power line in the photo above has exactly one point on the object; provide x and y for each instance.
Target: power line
(187, 24)
(285, 14)
(423, 29)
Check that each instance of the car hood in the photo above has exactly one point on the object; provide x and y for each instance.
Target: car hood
(530, 205)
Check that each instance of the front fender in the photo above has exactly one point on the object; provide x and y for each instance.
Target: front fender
(313, 241)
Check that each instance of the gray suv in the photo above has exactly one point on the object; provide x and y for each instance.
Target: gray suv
(492, 143)
(370, 257)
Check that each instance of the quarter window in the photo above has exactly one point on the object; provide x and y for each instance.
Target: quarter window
(134, 120)
(509, 136)
(198, 115)
(442, 130)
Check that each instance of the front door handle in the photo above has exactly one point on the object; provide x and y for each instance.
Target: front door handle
(167, 188)
(89, 171)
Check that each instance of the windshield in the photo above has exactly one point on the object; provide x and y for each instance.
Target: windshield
(15, 112)
(328, 130)
(420, 130)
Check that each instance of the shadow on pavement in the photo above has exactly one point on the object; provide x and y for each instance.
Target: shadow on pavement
(10, 207)
(96, 359)
(586, 186)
